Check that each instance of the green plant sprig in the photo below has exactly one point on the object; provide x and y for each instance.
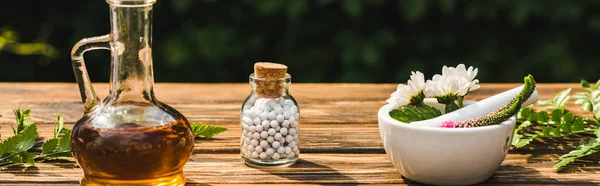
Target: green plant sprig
(205, 130)
(559, 122)
(18, 148)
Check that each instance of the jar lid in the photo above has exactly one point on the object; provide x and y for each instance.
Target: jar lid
(269, 70)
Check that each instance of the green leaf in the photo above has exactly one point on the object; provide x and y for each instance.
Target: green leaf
(546, 132)
(20, 142)
(451, 107)
(411, 113)
(544, 102)
(587, 105)
(597, 84)
(591, 147)
(16, 159)
(585, 84)
(524, 113)
(65, 142)
(205, 130)
(59, 125)
(49, 146)
(597, 111)
(523, 142)
(577, 125)
(556, 116)
(561, 98)
(23, 120)
(27, 158)
(542, 117)
(592, 122)
(523, 125)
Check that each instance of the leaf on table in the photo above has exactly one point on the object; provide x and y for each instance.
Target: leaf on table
(524, 113)
(23, 119)
(49, 146)
(542, 117)
(27, 158)
(59, 126)
(591, 147)
(208, 131)
(16, 158)
(596, 111)
(20, 142)
(561, 99)
(65, 142)
(60, 145)
(556, 116)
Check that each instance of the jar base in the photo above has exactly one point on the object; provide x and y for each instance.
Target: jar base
(177, 179)
(262, 164)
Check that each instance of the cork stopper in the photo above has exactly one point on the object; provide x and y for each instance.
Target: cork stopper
(268, 70)
(269, 83)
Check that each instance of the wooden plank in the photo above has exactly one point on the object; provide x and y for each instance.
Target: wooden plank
(339, 136)
(313, 168)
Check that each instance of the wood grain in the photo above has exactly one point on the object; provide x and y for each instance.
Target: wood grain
(339, 136)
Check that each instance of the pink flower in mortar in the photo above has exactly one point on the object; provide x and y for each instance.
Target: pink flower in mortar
(449, 124)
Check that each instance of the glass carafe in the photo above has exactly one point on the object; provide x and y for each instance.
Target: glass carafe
(129, 137)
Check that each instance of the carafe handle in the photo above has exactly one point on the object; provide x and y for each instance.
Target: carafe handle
(88, 95)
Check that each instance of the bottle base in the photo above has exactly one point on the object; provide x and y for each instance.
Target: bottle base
(177, 179)
(264, 164)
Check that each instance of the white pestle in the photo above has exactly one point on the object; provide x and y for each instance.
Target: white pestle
(478, 109)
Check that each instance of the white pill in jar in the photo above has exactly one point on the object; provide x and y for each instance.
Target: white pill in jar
(269, 151)
(285, 123)
(274, 124)
(263, 155)
(263, 116)
(276, 144)
(258, 149)
(264, 144)
(257, 121)
(264, 134)
(283, 131)
(273, 132)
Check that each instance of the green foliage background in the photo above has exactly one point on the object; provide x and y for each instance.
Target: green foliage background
(320, 40)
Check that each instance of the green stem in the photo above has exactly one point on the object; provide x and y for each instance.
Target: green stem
(7, 157)
(42, 156)
(460, 101)
(450, 107)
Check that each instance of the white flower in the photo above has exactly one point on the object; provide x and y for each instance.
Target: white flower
(453, 82)
(412, 92)
(440, 86)
(461, 72)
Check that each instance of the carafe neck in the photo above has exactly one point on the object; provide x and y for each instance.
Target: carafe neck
(131, 78)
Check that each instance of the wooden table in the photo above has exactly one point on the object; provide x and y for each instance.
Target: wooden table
(340, 141)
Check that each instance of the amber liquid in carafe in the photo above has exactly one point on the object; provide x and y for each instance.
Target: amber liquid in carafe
(129, 154)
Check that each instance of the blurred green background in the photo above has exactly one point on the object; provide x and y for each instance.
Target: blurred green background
(320, 40)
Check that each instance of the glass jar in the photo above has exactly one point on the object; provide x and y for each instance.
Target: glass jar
(270, 124)
(129, 137)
